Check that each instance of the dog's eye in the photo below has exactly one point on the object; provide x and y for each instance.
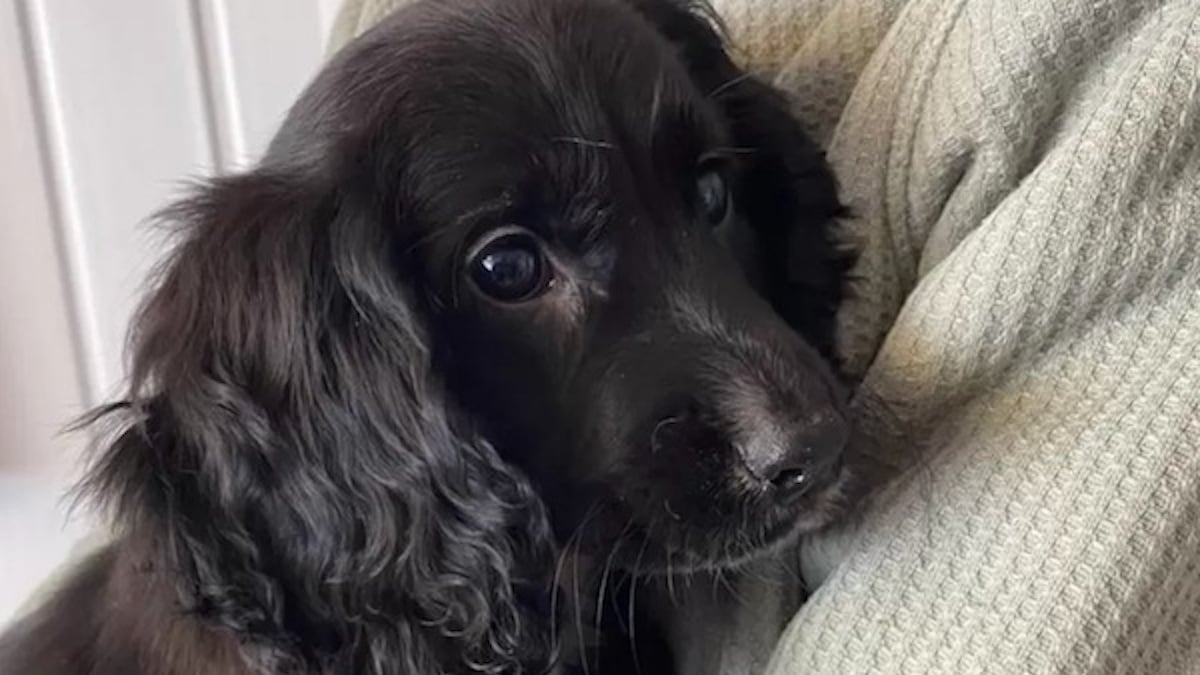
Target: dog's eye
(712, 196)
(510, 268)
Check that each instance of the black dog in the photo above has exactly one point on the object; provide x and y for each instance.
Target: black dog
(499, 312)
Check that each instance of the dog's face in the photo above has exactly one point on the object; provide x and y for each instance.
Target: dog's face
(568, 197)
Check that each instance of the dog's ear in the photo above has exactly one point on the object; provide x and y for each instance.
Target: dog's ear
(288, 449)
(786, 192)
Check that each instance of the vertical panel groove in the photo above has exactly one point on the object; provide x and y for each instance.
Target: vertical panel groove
(327, 14)
(64, 212)
(210, 27)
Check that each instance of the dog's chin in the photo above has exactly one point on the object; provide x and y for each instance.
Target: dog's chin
(670, 545)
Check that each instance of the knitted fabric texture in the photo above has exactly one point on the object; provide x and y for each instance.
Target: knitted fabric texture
(1025, 179)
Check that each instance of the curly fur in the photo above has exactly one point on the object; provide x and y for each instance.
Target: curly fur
(312, 473)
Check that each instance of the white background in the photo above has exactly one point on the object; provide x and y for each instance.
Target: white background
(106, 108)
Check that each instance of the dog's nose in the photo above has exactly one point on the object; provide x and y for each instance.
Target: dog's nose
(808, 458)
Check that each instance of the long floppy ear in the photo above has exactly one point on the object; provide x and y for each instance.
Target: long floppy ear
(787, 192)
(290, 453)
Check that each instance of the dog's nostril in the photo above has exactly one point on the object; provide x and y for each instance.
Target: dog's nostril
(789, 479)
(813, 455)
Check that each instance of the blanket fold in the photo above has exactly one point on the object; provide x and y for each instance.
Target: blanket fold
(1025, 179)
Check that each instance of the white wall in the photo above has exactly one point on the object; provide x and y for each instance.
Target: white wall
(106, 108)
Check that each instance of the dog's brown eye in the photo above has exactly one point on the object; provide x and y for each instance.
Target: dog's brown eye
(510, 268)
(712, 196)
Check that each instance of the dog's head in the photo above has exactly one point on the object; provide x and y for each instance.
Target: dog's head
(584, 200)
(512, 269)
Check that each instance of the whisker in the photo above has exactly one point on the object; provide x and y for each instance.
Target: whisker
(662, 424)
(656, 102)
(731, 151)
(729, 85)
(670, 577)
(556, 587)
(579, 611)
(600, 594)
(633, 586)
(584, 142)
(733, 591)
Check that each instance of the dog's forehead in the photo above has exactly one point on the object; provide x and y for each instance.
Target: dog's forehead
(576, 95)
(515, 71)
(480, 70)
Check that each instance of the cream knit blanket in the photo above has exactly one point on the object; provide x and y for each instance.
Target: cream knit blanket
(1026, 179)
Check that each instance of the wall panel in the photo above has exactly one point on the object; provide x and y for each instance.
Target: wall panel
(259, 56)
(125, 111)
(107, 108)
